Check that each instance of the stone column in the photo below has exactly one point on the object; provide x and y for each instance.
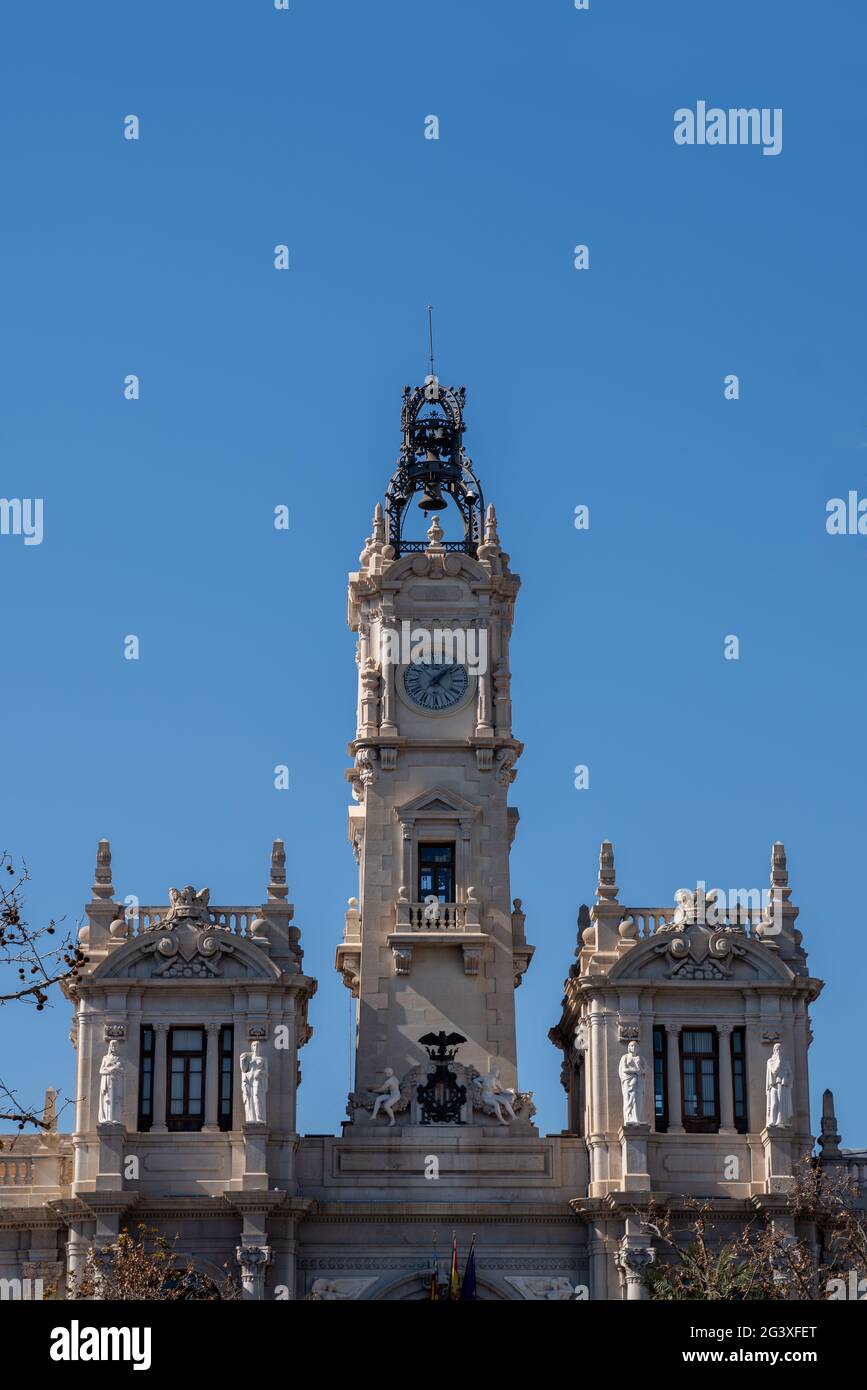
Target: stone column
(597, 1057)
(86, 1107)
(387, 709)
(675, 1100)
(77, 1247)
(484, 726)
(726, 1088)
(212, 1078)
(239, 1045)
(254, 1260)
(632, 1260)
(598, 1271)
(132, 1054)
(158, 1119)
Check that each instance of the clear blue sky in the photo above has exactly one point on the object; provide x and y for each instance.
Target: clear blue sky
(602, 387)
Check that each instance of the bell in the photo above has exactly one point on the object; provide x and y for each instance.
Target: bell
(432, 501)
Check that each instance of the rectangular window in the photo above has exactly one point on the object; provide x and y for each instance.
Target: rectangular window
(739, 1079)
(699, 1071)
(146, 1078)
(436, 872)
(660, 1081)
(227, 1073)
(186, 1065)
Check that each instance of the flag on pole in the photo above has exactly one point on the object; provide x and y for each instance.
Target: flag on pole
(454, 1277)
(468, 1287)
(434, 1284)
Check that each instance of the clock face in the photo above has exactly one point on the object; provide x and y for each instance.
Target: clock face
(436, 686)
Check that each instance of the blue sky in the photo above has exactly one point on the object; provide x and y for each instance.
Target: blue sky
(602, 387)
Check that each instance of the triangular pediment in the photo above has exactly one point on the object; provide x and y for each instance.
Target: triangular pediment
(436, 802)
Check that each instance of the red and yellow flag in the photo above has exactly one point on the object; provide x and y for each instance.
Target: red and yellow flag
(454, 1277)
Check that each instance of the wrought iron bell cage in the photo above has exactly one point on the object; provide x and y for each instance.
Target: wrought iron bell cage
(433, 460)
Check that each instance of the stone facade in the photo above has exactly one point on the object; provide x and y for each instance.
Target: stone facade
(684, 1030)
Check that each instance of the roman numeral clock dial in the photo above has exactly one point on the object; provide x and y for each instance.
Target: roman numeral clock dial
(435, 686)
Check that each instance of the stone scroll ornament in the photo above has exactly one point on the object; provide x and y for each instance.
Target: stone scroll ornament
(186, 943)
(632, 1072)
(254, 1085)
(778, 1089)
(111, 1077)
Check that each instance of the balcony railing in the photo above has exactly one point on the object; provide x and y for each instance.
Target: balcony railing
(649, 920)
(16, 1172)
(232, 919)
(436, 916)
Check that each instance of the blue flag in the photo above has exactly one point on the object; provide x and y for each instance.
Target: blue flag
(468, 1287)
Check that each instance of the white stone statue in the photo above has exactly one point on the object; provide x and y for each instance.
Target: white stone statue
(778, 1089)
(254, 1085)
(111, 1071)
(388, 1094)
(494, 1094)
(632, 1072)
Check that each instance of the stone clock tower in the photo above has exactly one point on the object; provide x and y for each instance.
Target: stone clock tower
(434, 942)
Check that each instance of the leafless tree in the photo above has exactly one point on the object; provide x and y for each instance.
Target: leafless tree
(144, 1266)
(33, 961)
(764, 1261)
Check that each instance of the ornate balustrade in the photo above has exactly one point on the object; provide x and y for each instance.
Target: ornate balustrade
(855, 1161)
(431, 916)
(649, 920)
(232, 919)
(16, 1172)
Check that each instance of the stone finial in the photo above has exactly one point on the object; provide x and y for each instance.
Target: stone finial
(49, 1110)
(489, 550)
(627, 930)
(102, 884)
(780, 872)
(378, 536)
(277, 890)
(435, 534)
(606, 887)
(829, 1139)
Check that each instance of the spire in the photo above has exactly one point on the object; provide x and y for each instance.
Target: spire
(829, 1140)
(102, 884)
(779, 872)
(606, 886)
(277, 889)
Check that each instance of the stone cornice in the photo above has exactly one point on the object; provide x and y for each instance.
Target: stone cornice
(440, 1213)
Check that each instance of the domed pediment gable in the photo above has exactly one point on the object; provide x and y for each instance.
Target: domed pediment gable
(699, 952)
(187, 951)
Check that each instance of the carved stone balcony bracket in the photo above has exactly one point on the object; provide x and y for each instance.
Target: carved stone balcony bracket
(404, 944)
